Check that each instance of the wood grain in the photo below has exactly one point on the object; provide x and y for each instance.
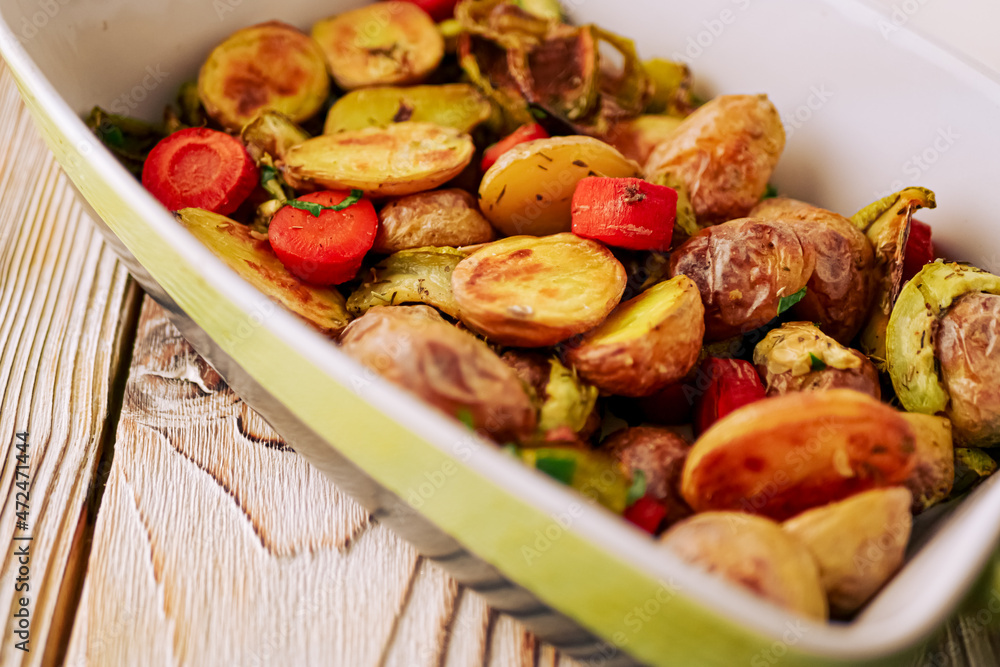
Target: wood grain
(64, 311)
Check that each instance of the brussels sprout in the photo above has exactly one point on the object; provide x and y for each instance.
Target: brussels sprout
(421, 275)
(754, 553)
(594, 474)
(566, 401)
(268, 66)
(972, 466)
(941, 353)
(128, 139)
(799, 357)
(671, 88)
(485, 64)
(456, 105)
(271, 133)
(561, 73)
(384, 43)
(886, 223)
(256, 263)
(546, 9)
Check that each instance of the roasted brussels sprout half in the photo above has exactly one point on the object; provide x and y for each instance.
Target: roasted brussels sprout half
(671, 88)
(385, 43)
(271, 66)
(567, 401)
(972, 466)
(797, 356)
(255, 262)
(594, 474)
(781, 456)
(858, 544)
(271, 133)
(646, 343)
(530, 188)
(415, 348)
(723, 154)
(421, 275)
(754, 553)
(456, 105)
(658, 454)
(531, 291)
(436, 218)
(886, 223)
(400, 159)
(942, 349)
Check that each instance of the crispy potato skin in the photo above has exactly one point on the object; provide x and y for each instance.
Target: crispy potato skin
(268, 66)
(968, 348)
(664, 350)
(724, 154)
(753, 553)
(858, 544)
(742, 269)
(660, 454)
(525, 291)
(413, 347)
(781, 456)
(436, 218)
(841, 286)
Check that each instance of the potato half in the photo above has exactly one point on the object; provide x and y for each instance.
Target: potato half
(783, 455)
(858, 543)
(437, 218)
(384, 43)
(535, 292)
(636, 138)
(753, 553)
(456, 105)
(268, 66)
(934, 461)
(530, 188)
(400, 159)
(646, 343)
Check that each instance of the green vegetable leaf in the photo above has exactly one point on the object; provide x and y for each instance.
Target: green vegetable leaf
(786, 302)
(817, 363)
(561, 469)
(465, 416)
(316, 209)
(638, 488)
(267, 173)
(511, 448)
(770, 193)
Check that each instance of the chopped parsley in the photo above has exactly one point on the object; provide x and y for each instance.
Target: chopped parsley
(315, 209)
(786, 302)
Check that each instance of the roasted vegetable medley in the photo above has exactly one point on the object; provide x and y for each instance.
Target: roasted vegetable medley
(557, 243)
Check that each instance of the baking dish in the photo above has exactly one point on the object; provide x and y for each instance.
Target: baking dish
(866, 112)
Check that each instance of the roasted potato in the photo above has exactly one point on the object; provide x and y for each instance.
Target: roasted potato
(419, 275)
(781, 456)
(886, 223)
(933, 472)
(535, 292)
(255, 262)
(658, 454)
(723, 154)
(385, 43)
(743, 269)
(797, 356)
(858, 544)
(530, 188)
(401, 159)
(456, 105)
(636, 138)
(436, 218)
(413, 347)
(270, 66)
(271, 133)
(942, 350)
(840, 290)
(753, 553)
(646, 343)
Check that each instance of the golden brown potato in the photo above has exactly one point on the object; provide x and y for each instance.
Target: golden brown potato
(456, 105)
(933, 471)
(753, 553)
(436, 218)
(659, 454)
(743, 268)
(636, 138)
(529, 190)
(723, 154)
(858, 544)
(413, 347)
(401, 159)
(382, 44)
(783, 455)
(267, 66)
(646, 343)
(797, 356)
(841, 288)
(535, 292)
(255, 262)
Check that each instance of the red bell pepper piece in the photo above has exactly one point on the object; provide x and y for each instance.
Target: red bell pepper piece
(440, 10)
(625, 212)
(919, 249)
(521, 135)
(647, 513)
(732, 383)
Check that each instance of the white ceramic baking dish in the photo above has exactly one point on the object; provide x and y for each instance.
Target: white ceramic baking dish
(868, 109)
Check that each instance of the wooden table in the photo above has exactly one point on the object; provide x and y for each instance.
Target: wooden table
(169, 524)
